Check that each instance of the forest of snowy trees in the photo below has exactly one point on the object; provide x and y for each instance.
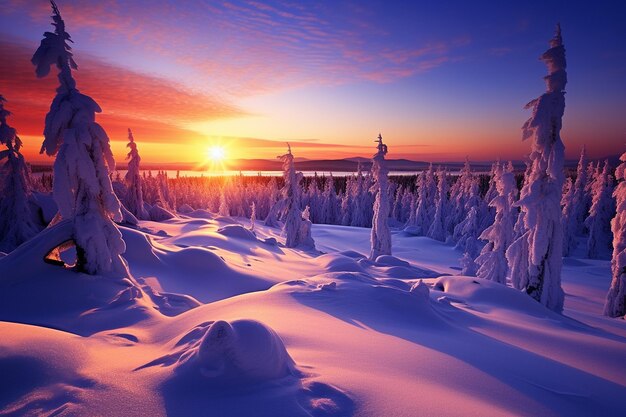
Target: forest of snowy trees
(503, 231)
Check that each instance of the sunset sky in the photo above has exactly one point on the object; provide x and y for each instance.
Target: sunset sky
(440, 80)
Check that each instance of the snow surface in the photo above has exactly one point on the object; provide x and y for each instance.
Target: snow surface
(216, 320)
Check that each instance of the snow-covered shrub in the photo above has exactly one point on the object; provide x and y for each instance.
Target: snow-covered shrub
(305, 238)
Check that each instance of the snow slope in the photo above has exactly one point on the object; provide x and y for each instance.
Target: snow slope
(216, 320)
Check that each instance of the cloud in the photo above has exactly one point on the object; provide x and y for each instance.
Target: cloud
(127, 97)
(243, 48)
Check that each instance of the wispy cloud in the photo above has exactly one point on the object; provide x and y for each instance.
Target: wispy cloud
(127, 97)
(244, 48)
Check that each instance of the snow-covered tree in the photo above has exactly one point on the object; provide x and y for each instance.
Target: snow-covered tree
(82, 186)
(576, 205)
(568, 218)
(602, 210)
(492, 260)
(437, 228)
(469, 242)
(381, 236)
(291, 200)
(134, 195)
(330, 204)
(16, 220)
(459, 195)
(517, 253)
(541, 196)
(427, 194)
(305, 239)
(223, 209)
(615, 305)
(252, 216)
(582, 203)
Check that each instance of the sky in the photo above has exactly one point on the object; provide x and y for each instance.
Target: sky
(441, 80)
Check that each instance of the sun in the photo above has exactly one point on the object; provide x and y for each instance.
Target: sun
(216, 153)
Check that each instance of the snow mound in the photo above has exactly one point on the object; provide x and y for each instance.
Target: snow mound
(225, 220)
(159, 214)
(233, 353)
(360, 298)
(338, 262)
(237, 231)
(200, 214)
(193, 270)
(389, 260)
(37, 292)
(491, 296)
(185, 209)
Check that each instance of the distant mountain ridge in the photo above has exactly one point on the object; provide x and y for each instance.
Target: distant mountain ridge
(326, 165)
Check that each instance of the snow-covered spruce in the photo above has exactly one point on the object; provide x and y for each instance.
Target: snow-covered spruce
(16, 220)
(459, 205)
(517, 252)
(291, 200)
(602, 210)
(437, 229)
(469, 242)
(492, 260)
(381, 236)
(427, 192)
(82, 187)
(575, 207)
(540, 199)
(252, 216)
(616, 298)
(134, 195)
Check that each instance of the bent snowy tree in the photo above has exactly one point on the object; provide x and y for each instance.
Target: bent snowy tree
(381, 236)
(540, 197)
(82, 186)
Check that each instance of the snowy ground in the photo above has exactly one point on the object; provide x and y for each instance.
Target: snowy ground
(217, 321)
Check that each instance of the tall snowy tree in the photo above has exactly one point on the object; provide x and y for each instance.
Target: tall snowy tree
(492, 260)
(615, 305)
(381, 236)
(82, 186)
(16, 220)
(541, 196)
(600, 214)
(134, 196)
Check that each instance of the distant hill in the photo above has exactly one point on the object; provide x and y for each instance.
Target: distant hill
(329, 165)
